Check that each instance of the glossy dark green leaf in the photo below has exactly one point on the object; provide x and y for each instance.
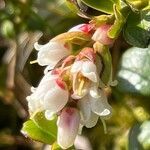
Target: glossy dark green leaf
(137, 30)
(134, 74)
(31, 130)
(105, 6)
(48, 126)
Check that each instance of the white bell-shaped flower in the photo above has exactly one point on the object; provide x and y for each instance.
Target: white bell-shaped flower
(101, 35)
(52, 52)
(92, 108)
(68, 127)
(51, 95)
(84, 73)
(35, 100)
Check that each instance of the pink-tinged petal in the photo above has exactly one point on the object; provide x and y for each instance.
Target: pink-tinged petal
(61, 83)
(92, 120)
(87, 53)
(101, 36)
(85, 109)
(89, 71)
(68, 126)
(86, 28)
(100, 105)
(51, 53)
(56, 98)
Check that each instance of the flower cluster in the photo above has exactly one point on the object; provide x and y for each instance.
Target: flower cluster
(71, 87)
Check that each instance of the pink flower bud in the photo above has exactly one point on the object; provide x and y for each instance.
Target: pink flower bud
(82, 28)
(68, 126)
(87, 53)
(101, 35)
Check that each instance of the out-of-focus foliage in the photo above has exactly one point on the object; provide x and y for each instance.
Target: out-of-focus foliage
(137, 30)
(22, 22)
(144, 134)
(134, 74)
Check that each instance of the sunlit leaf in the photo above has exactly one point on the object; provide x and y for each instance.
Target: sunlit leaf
(104, 6)
(134, 74)
(31, 130)
(48, 126)
(137, 4)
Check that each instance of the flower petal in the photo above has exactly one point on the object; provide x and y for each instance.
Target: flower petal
(76, 67)
(55, 99)
(81, 28)
(85, 109)
(89, 71)
(51, 53)
(94, 91)
(101, 35)
(34, 104)
(68, 126)
(100, 105)
(92, 120)
(35, 100)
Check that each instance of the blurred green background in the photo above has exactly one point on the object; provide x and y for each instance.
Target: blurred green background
(22, 23)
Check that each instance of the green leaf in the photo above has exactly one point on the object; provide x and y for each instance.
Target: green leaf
(48, 126)
(137, 30)
(116, 28)
(71, 5)
(134, 74)
(55, 146)
(31, 130)
(137, 4)
(105, 6)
